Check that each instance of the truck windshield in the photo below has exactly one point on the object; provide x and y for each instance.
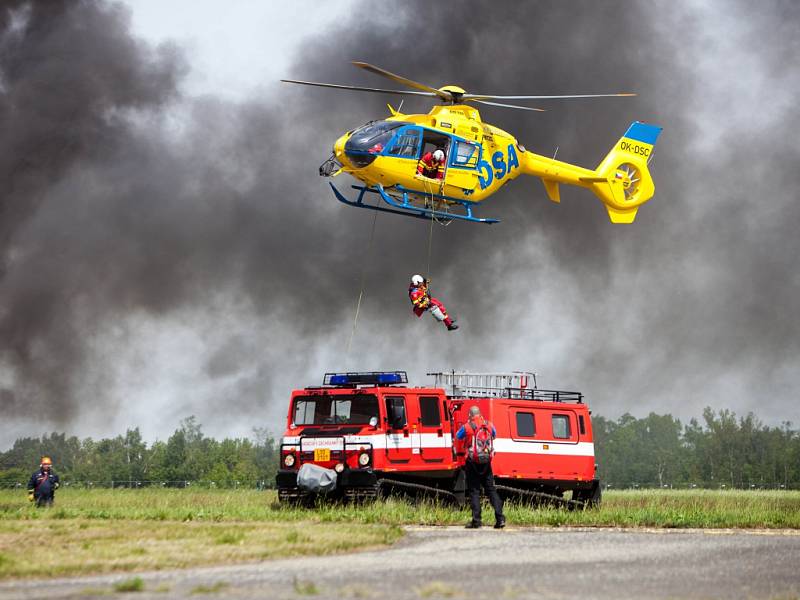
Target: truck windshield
(335, 409)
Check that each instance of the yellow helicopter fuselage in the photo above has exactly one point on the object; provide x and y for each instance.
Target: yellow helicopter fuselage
(482, 158)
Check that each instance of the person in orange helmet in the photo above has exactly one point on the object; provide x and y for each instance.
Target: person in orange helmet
(43, 484)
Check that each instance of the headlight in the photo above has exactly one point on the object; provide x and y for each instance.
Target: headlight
(363, 459)
(288, 460)
(338, 467)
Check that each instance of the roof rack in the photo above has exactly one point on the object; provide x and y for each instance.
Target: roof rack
(517, 384)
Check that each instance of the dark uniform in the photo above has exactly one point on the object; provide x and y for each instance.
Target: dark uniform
(42, 486)
(480, 476)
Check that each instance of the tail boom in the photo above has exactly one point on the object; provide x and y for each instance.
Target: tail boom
(622, 181)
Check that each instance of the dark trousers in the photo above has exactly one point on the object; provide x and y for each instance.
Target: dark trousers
(480, 476)
(44, 501)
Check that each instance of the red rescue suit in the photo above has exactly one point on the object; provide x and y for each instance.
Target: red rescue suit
(422, 301)
(430, 168)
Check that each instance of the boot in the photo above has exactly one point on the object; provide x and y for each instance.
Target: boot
(450, 323)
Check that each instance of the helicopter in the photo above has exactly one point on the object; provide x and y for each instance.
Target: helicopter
(384, 155)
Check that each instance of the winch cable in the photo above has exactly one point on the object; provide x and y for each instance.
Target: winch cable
(430, 247)
(429, 191)
(363, 279)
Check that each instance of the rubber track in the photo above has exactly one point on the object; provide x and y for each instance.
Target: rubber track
(416, 486)
(550, 497)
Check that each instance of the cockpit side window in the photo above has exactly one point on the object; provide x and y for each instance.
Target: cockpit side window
(406, 143)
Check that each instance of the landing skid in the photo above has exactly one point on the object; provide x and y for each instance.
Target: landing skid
(406, 208)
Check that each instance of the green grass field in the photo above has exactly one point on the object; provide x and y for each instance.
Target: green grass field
(99, 531)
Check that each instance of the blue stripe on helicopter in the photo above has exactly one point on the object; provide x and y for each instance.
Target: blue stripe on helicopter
(642, 132)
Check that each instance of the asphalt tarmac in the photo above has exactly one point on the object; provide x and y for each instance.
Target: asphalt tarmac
(447, 562)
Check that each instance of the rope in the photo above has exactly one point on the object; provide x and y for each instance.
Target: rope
(430, 246)
(363, 278)
(432, 206)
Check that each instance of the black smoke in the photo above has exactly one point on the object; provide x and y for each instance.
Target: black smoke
(181, 254)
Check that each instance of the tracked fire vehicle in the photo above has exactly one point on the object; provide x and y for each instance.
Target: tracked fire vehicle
(362, 434)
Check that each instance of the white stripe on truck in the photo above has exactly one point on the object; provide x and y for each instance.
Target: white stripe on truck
(399, 441)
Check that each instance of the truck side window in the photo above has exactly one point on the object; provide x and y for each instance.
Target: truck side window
(581, 425)
(526, 426)
(561, 427)
(429, 409)
(396, 411)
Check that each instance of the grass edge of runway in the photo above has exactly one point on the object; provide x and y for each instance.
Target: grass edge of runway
(104, 531)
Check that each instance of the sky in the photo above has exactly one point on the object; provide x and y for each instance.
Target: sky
(168, 249)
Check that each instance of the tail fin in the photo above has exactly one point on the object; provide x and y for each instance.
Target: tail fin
(622, 181)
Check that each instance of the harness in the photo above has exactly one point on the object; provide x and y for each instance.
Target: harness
(419, 296)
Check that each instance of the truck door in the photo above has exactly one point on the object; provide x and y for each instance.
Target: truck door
(398, 440)
(433, 428)
(564, 429)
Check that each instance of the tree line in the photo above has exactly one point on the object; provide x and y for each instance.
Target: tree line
(720, 450)
(188, 456)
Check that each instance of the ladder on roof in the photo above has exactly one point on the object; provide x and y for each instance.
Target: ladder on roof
(467, 384)
(517, 384)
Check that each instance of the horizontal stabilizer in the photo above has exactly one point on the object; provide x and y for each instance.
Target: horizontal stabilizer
(551, 187)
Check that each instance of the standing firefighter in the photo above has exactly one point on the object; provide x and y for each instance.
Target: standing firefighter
(421, 300)
(43, 484)
(478, 435)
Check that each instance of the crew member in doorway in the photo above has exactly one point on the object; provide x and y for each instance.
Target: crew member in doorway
(421, 301)
(43, 484)
(478, 436)
(431, 165)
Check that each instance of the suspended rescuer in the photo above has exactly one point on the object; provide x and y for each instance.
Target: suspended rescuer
(478, 435)
(431, 165)
(43, 484)
(421, 301)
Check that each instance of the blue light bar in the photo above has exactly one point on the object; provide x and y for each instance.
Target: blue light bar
(366, 378)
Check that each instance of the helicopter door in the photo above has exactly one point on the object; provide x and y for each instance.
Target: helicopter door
(462, 175)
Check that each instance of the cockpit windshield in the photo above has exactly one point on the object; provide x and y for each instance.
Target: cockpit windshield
(335, 409)
(369, 140)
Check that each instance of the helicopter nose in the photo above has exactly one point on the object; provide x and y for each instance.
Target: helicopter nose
(338, 151)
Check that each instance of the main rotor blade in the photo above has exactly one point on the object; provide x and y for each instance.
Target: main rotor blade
(506, 105)
(358, 89)
(482, 97)
(403, 80)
